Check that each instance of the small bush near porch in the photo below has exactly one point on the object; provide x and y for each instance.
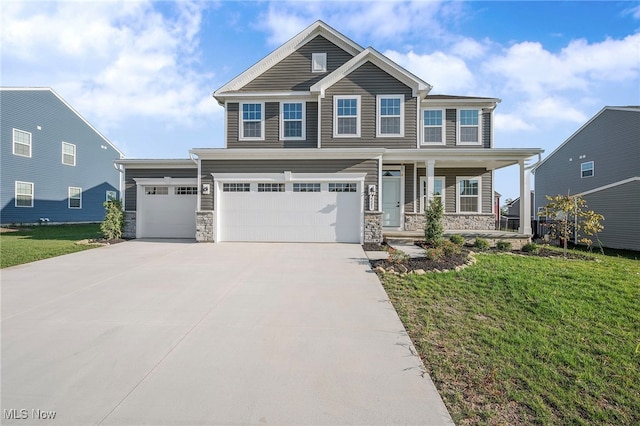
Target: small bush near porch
(528, 340)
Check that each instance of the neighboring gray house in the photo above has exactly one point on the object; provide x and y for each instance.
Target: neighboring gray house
(327, 141)
(512, 219)
(601, 161)
(55, 165)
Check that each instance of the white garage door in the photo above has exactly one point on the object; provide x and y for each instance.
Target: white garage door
(166, 211)
(290, 212)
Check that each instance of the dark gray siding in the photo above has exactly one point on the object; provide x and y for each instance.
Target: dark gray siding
(370, 167)
(272, 128)
(369, 81)
(94, 171)
(409, 200)
(450, 176)
(130, 184)
(611, 141)
(620, 207)
(451, 129)
(294, 72)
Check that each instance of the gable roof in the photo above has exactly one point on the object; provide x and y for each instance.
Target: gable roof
(299, 40)
(369, 54)
(570, 138)
(61, 99)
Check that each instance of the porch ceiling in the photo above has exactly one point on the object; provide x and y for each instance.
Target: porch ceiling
(492, 159)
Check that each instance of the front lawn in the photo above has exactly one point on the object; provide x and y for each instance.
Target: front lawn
(527, 340)
(41, 242)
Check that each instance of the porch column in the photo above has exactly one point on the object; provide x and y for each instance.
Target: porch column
(430, 166)
(525, 199)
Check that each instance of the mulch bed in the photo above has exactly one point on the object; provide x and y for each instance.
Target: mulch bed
(413, 264)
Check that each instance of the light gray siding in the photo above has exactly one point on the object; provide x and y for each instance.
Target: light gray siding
(130, 184)
(368, 81)
(294, 72)
(451, 175)
(370, 167)
(50, 122)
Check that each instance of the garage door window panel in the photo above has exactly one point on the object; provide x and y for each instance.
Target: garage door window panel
(186, 190)
(156, 190)
(306, 187)
(342, 187)
(271, 187)
(236, 187)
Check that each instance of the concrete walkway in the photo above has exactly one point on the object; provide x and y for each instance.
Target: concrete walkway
(179, 333)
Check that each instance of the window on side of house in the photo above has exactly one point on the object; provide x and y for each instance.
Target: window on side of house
(433, 130)
(75, 197)
(251, 121)
(469, 127)
(438, 191)
(469, 197)
(21, 143)
(318, 62)
(390, 115)
(346, 116)
(586, 169)
(271, 187)
(68, 154)
(342, 187)
(292, 123)
(236, 187)
(111, 195)
(24, 194)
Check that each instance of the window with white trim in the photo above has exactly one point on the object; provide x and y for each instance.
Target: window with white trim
(75, 197)
(306, 187)
(586, 169)
(111, 195)
(346, 116)
(68, 154)
(21, 143)
(271, 187)
(469, 127)
(438, 191)
(186, 190)
(318, 62)
(236, 187)
(251, 121)
(156, 190)
(24, 194)
(342, 187)
(292, 115)
(468, 195)
(390, 115)
(433, 130)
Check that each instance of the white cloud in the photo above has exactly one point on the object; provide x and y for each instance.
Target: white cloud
(511, 123)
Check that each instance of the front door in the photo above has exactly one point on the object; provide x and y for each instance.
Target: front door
(391, 201)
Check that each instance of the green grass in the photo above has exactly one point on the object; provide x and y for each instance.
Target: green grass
(41, 242)
(528, 340)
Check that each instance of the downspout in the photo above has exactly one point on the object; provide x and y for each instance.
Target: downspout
(120, 169)
(196, 160)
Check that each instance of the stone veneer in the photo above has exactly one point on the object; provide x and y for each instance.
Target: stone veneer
(372, 227)
(205, 227)
(129, 224)
(415, 221)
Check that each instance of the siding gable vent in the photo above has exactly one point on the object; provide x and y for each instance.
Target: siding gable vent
(318, 62)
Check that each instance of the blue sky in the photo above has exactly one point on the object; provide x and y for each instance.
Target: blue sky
(143, 72)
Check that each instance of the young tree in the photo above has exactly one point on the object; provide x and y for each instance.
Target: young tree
(433, 228)
(568, 215)
(113, 222)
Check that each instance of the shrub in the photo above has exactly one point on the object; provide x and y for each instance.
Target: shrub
(113, 222)
(449, 248)
(397, 256)
(434, 253)
(531, 248)
(481, 244)
(433, 228)
(503, 245)
(457, 239)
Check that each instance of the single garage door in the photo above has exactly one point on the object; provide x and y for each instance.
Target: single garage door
(166, 211)
(290, 211)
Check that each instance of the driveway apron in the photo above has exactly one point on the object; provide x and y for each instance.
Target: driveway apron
(178, 333)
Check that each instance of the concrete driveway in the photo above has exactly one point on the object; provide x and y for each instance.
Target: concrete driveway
(180, 333)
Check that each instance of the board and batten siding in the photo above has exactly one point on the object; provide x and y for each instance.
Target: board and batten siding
(272, 128)
(130, 193)
(451, 175)
(294, 71)
(611, 141)
(51, 122)
(368, 81)
(370, 167)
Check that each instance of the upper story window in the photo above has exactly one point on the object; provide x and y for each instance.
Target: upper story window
(318, 62)
(433, 130)
(586, 169)
(390, 115)
(438, 191)
(252, 121)
(24, 194)
(75, 197)
(469, 127)
(21, 143)
(68, 154)
(346, 117)
(292, 116)
(469, 197)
